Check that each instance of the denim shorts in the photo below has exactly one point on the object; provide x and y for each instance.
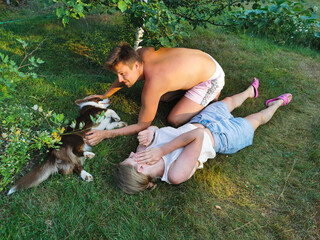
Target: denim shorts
(230, 134)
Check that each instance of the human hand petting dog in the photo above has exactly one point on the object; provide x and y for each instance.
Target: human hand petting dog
(93, 96)
(93, 137)
(149, 156)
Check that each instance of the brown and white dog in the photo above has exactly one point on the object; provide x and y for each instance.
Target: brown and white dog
(71, 154)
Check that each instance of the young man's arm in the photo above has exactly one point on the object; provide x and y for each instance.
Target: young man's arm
(150, 102)
(116, 86)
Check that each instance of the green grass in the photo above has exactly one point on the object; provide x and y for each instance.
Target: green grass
(247, 186)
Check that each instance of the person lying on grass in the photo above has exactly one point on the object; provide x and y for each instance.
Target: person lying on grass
(174, 154)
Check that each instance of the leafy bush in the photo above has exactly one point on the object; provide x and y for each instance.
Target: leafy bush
(283, 20)
(23, 130)
(163, 21)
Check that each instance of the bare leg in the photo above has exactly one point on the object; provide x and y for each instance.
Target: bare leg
(237, 100)
(265, 115)
(183, 111)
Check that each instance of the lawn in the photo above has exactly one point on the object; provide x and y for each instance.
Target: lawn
(269, 190)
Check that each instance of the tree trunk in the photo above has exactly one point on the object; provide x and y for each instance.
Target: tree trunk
(139, 34)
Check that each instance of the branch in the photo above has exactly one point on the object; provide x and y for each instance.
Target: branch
(201, 11)
(26, 65)
(29, 54)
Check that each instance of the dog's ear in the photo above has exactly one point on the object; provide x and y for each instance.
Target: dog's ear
(79, 101)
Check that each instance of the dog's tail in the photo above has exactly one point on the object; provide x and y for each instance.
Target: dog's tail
(37, 175)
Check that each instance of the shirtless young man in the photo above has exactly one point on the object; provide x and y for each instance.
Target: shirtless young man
(165, 72)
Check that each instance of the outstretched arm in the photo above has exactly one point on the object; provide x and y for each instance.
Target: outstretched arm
(93, 137)
(116, 86)
(150, 101)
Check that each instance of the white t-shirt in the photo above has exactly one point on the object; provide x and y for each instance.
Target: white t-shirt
(166, 134)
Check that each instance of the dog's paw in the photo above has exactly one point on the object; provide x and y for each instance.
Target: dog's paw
(117, 118)
(122, 124)
(86, 176)
(88, 155)
(12, 190)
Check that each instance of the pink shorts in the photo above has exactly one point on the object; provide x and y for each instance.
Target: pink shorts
(205, 92)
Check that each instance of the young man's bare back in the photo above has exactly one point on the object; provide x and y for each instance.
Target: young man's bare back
(165, 71)
(177, 68)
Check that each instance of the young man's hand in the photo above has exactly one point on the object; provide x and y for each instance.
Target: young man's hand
(93, 96)
(93, 137)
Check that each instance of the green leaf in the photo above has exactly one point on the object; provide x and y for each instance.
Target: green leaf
(122, 5)
(65, 20)
(60, 12)
(92, 119)
(32, 59)
(39, 61)
(164, 41)
(314, 15)
(277, 21)
(74, 15)
(81, 14)
(297, 7)
(285, 5)
(6, 58)
(78, 8)
(317, 34)
(273, 8)
(21, 74)
(24, 44)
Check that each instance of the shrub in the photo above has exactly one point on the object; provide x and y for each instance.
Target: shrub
(283, 20)
(23, 129)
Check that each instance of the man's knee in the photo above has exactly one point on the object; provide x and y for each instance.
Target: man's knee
(174, 120)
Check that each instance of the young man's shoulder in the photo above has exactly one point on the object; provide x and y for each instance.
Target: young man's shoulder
(145, 51)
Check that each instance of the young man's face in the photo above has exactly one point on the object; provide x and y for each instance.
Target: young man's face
(126, 74)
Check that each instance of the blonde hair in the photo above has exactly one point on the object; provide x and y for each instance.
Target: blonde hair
(130, 181)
